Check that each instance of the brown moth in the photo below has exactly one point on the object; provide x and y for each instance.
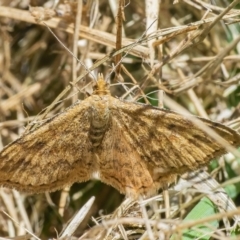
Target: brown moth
(136, 148)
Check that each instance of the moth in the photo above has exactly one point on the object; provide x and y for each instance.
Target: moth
(134, 147)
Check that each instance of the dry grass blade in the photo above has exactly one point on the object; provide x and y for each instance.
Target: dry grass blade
(17, 224)
(77, 219)
(119, 22)
(189, 50)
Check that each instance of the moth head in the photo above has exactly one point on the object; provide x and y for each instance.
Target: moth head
(101, 87)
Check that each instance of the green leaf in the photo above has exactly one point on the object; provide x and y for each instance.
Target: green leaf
(203, 209)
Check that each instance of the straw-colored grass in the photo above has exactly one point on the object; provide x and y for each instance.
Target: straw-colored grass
(183, 55)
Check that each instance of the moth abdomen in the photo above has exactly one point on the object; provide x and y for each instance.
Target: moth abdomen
(96, 135)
